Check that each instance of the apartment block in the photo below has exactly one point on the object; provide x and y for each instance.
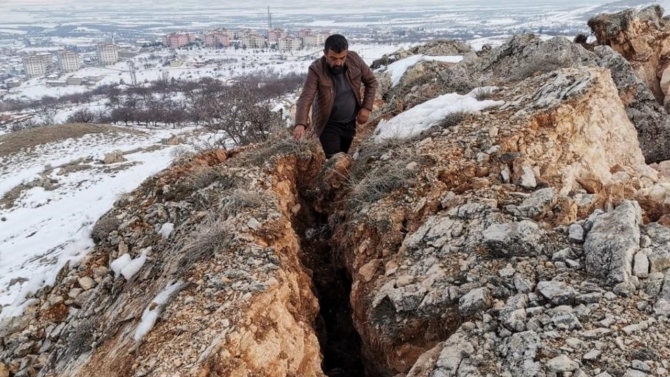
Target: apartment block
(275, 34)
(253, 41)
(177, 40)
(108, 53)
(36, 65)
(289, 44)
(69, 61)
(217, 38)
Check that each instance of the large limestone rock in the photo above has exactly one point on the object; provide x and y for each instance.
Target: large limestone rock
(642, 39)
(610, 254)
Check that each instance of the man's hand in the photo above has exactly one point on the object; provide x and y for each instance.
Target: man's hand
(363, 115)
(298, 132)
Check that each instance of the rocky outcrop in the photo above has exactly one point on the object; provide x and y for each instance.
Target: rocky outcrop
(475, 273)
(642, 38)
(525, 56)
(434, 48)
(642, 41)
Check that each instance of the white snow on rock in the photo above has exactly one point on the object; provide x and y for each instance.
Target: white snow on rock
(153, 310)
(120, 263)
(166, 230)
(135, 265)
(397, 69)
(429, 113)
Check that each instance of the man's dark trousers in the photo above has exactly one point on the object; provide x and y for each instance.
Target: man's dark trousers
(337, 137)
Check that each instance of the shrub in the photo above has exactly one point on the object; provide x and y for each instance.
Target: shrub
(452, 119)
(484, 94)
(279, 147)
(381, 181)
(103, 227)
(210, 238)
(241, 199)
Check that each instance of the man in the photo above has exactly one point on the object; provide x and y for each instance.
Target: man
(333, 88)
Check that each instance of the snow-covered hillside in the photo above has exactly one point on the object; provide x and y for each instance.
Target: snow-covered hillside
(51, 194)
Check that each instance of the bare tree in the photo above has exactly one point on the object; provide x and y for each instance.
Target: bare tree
(81, 116)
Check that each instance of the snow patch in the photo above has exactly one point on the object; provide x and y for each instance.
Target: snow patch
(73, 251)
(46, 229)
(120, 263)
(397, 69)
(126, 266)
(135, 265)
(166, 230)
(154, 309)
(427, 114)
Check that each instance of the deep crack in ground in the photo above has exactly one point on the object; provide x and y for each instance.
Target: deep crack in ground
(339, 340)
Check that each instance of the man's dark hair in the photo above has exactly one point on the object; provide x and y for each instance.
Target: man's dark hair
(337, 43)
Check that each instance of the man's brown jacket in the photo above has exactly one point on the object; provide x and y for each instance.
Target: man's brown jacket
(319, 93)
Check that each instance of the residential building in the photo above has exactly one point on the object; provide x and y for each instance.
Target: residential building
(180, 39)
(253, 41)
(217, 38)
(56, 83)
(322, 36)
(304, 32)
(245, 33)
(275, 34)
(36, 65)
(108, 53)
(310, 40)
(313, 39)
(289, 44)
(69, 61)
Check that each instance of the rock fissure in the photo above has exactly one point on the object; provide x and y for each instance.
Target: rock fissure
(331, 282)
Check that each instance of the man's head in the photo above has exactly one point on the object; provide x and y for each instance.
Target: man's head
(335, 50)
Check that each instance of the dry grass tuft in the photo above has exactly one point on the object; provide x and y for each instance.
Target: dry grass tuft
(103, 227)
(453, 119)
(381, 181)
(279, 147)
(240, 200)
(211, 238)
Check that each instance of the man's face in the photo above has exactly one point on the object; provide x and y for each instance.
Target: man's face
(335, 59)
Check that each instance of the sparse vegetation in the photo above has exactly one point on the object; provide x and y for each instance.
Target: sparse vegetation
(14, 142)
(210, 238)
(239, 200)
(106, 225)
(543, 65)
(205, 176)
(181, 152)
(82, 116)
(241, 109)
(453, 119)
(484, 94)
(80, 340)
(279, 147)
(381, 181)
